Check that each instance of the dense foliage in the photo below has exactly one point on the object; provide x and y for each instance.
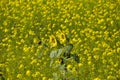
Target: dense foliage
(60, 39)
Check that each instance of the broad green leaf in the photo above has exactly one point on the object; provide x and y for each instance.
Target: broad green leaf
(68, 48)
(53, 54)
(62, 67)
(60, 51)
(56, 53)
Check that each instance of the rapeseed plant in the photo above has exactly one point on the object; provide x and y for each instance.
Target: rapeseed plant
(31, 30)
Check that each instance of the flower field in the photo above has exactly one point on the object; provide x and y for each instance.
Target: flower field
(59, 39)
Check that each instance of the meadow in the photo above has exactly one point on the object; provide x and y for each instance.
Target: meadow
(59, 39)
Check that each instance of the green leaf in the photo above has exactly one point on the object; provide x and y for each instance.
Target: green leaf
(55, 76)
(60, 51)
(67, 51)
(53, 54)
(56, 53)
(62, 67)
(68, 48)
(51, 62)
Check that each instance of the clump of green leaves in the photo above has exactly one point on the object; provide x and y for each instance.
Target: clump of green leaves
(64, 55)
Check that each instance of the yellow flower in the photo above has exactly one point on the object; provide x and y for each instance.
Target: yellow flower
(28, 72)
(5, 23)
(96, 57)
(36, 74)
(95, 49)
(1, 65)
(53, 41)
(80, 65)
(31, 32)
(118, 50)
(44, 78)
(89, 62)
(50, 79)
(111, 77)
(25, 48)
(33, 61)
(74, 70)
(7, 69)
(5, 30)
(69, 67)
(19, 76)
(22, 40)
(100, 21)
(97, 78)
(35, 40)
(21, 66)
